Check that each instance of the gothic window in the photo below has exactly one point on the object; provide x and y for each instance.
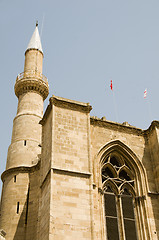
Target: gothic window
(119, 192)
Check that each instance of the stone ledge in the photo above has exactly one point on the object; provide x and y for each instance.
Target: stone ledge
(26, 114)
(66, 172)
(27, 139)
(153, 194)
(115, 126)
(24, 169)
(70, 104)
(72, 172)
(65, 103)
(122, 126)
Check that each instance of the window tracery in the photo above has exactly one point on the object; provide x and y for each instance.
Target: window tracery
(118, 181)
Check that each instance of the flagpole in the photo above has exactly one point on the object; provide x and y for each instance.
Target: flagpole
(148, 104)
(150, 112)
(114, 101)
(149, 109)
(115, 107)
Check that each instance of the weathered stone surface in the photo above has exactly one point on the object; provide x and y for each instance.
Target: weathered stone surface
(52, 185)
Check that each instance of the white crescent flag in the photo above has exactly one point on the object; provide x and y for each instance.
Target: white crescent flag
(145, 93)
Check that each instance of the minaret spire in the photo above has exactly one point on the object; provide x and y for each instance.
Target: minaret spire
(35, 41)
(32, 78)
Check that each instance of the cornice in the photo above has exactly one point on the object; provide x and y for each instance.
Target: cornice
(20, 169)
(67, 104)
(115, 126)
(94, 121)
(70, 104)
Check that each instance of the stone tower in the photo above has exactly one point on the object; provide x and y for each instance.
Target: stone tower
(31, 88)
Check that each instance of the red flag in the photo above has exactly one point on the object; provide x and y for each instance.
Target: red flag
(145, 93)
(111, 85)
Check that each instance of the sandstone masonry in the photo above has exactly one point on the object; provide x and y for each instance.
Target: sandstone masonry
(72, 176)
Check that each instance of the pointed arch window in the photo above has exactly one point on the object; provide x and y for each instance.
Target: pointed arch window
(119, 193)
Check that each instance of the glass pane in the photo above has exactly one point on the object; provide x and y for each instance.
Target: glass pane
(112, 228)
(108, 189)
(130, 229)
(114, 161)
(124, 175)
(110, 205)
(107, 172)
(127, 205)
(126, 192)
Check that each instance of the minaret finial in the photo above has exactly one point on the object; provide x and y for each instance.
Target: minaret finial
(36, 23)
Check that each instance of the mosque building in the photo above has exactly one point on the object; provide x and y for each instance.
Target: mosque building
(72, 176)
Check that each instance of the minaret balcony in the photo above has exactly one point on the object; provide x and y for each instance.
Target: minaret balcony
(31, 81)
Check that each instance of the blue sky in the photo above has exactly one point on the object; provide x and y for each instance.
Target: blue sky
(86, 43)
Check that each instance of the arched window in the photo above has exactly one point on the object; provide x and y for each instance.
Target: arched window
(119, 193)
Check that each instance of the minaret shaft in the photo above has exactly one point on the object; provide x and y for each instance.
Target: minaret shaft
(26, 134)
(30, 99)
(33, 61)
(31, 88)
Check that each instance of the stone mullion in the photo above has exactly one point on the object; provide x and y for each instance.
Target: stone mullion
(120, 218)
(102, 214)
(138, 216)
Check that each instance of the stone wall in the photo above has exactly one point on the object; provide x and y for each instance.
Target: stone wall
(60, 197)
(70, 186)
(33, 202)
(136, 140)
(14, 198)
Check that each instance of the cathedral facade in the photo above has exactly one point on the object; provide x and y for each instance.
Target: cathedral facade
(72, 176)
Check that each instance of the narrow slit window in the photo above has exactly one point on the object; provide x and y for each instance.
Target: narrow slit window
(27, 206)
(24, 142)
(17, 207)
(15, 178)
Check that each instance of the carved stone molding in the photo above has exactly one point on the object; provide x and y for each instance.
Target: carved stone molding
(31, 81)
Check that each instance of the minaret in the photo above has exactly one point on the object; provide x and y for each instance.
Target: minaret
(31, 88)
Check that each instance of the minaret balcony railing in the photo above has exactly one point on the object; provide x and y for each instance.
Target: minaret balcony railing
(31, 81)
(32, 74)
